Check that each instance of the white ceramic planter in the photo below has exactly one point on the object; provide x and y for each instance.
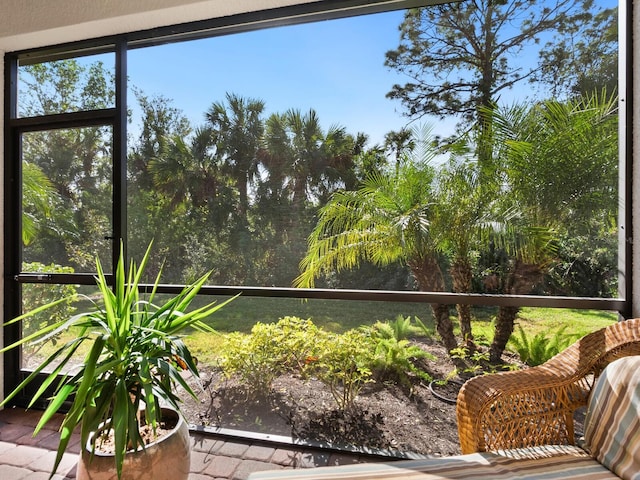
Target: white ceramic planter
(166, 459)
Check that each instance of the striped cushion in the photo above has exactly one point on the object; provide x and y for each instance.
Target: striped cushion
(612, 425)
(526, 464)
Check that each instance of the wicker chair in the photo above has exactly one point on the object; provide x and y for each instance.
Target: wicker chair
(536, 406)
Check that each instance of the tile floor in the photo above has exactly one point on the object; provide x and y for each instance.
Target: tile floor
(213, 457)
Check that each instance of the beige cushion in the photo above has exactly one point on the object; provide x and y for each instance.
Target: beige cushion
(612, 424)
(549, 463)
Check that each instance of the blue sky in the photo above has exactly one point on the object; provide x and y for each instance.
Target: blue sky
(335, 67)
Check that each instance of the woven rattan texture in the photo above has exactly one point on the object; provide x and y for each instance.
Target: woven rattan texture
(535, 406)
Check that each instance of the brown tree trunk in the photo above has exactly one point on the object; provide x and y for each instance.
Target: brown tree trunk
(521, 281)
(429, 277)
(502, 332)
(464, 317)
(461, 274)
(444, 326)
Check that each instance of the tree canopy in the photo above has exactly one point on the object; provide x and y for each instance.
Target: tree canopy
(460, 56)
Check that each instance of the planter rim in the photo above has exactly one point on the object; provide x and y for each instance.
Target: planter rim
(170, 411)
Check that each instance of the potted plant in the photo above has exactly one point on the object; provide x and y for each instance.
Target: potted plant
(129, 374)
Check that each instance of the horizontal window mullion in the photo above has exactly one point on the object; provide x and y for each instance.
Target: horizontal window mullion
(66, 51)
(65, 120)
(447, 298)
(57, 278)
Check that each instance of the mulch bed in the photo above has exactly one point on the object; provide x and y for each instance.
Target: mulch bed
(385, 416)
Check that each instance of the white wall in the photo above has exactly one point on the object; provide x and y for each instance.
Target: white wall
(635, 132)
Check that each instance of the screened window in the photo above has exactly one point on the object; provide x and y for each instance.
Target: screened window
(377, 164)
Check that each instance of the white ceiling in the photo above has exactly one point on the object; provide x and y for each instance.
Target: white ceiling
(34, 23)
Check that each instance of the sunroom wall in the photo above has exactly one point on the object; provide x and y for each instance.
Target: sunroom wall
(635, 133)
(39, 23)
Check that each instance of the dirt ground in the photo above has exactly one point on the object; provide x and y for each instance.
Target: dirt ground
(385, 416)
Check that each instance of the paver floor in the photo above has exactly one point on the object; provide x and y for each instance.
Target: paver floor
(213, 457)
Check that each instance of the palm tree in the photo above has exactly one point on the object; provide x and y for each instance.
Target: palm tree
(303, 166)
(559, 164)
(38, 197)
(188, 170)
(561, 158)
(386, 221)
(400, 143)
(238, 129)
(160, 122)
(464, 219)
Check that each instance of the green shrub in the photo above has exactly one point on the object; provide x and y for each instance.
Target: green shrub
(537, 350)
(399, 329)
(38, 294)
(271, 349)
(470, 363)
(344, 364)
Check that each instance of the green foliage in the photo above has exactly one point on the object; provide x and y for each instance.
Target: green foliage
(585, 61)
(69, 169)
(38, 200)
(586, 264)
(398, 329)
(394, 356)
(538, 349)
(38, 294)
(271, 349)
(473, 363)
(134, 359)
(387, 220)
(424, 328)
(544, 145)
(345, 362)
(248, 357)
(447, 79)
(188, 185)
(344, 365)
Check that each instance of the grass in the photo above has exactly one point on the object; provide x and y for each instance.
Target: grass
(579, 322)
(334, 315)
(339, 316)
(536, 320)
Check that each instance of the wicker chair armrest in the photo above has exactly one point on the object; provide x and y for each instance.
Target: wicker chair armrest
(535, 406)
(518, 409)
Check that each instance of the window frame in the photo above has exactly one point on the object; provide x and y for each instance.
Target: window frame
(116, 117)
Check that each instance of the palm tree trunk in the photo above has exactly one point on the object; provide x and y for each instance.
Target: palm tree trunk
(461, 274)
(464, 317)
(428, 275)
(444, 326)
(502, 332)
(521, 281)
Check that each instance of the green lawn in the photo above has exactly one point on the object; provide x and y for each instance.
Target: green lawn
(339, 316)
(335, 315)
(548, 320)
